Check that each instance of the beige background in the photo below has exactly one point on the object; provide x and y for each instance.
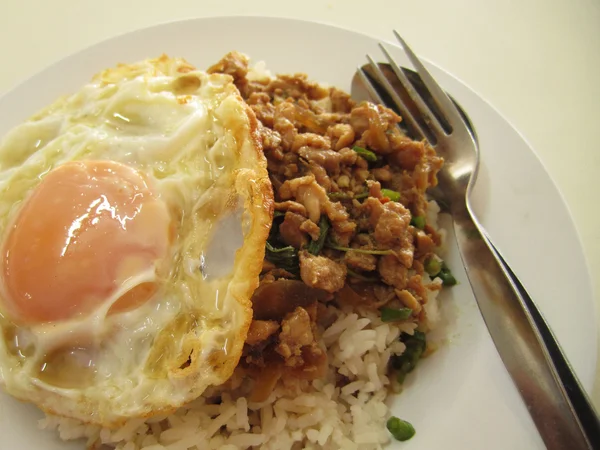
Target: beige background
(536, 61)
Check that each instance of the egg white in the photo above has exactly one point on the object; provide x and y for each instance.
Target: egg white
(195, 140)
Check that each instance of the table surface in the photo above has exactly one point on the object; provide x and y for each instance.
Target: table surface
(536, 61)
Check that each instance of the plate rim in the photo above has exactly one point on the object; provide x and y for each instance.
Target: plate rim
(580, 248)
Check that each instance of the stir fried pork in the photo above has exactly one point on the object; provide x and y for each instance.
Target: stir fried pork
(349, 225)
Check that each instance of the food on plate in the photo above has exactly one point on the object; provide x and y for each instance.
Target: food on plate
(117, 297)
(400, 429)
(344, 282)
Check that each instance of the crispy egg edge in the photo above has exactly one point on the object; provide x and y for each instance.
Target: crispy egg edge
(253, 184)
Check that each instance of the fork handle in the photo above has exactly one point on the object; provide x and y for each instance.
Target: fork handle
(558, 405)
(580, 402)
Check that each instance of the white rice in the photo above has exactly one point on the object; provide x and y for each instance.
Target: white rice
(317, 415)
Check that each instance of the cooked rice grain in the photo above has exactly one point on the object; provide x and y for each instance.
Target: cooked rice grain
(317, 415)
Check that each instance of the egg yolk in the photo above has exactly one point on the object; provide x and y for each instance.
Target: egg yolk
(87, 228)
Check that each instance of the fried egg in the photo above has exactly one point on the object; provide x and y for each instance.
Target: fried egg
(133, 219)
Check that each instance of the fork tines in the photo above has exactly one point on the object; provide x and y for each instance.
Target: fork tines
(424, 106)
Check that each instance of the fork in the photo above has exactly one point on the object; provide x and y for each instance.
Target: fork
(557, 403)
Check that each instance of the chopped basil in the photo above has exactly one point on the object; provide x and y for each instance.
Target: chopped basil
(358, 276)
(366, 154)
(393, 315)
(346, 195)
(418, 222)
(392, 195)
(338, 196)
(316, 246)
(416, 344)
(359, 250)
(432, 266)
(285, 258)
(446, 276)
(400, 429)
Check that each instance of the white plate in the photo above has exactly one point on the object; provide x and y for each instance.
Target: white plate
(461, 397)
